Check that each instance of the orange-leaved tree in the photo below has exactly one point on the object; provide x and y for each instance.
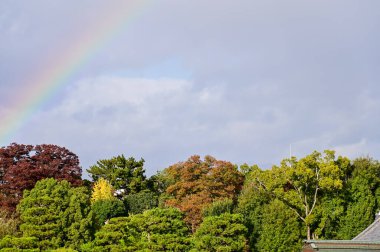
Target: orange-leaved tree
(197, 183)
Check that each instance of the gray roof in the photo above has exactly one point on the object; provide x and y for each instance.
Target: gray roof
(340, 245)
(371, 233)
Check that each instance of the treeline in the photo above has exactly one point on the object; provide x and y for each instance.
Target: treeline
(194, 205)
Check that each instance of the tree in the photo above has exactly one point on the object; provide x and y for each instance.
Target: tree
(125, 175)
(154, 230)
(139, 202)
(299, 183)
(251, 205)
(104, 210)
(8, 224)
(280, 229)
(362, 197)
(158, 230)
(104, 204)
(102, 190)
(329, 213)
(109, 238)
(198, 183)
(21, 166)
(11, 243)
(57, 214)
(218, 208)
(221, 233)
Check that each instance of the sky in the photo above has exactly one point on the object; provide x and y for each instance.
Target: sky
(244, 81)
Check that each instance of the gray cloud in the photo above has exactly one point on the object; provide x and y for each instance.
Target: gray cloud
(240, 80)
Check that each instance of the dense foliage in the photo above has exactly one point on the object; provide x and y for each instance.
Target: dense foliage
(225, 232)
(125, 175)
(8, 224)
(57, 214)
(154, 230)
(195, 205)
(197, 183)
(21, 166)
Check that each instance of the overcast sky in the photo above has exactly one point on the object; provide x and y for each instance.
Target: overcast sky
(238, 80)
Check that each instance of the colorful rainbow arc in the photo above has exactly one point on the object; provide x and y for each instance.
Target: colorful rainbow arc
(56, 73)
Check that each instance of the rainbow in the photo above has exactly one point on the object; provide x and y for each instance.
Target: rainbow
(57, 71)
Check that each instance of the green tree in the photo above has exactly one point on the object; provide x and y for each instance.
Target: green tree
(281, 229)
(15, 244)
(57, 214)
(139, 202)
(154, 230)
(218, 207)
(362, 197)
(221, 233)
(251, 204)
(125, 175)
(328, 214)
(299, 183)
(104, 210)
(111, 237)
(158, 230)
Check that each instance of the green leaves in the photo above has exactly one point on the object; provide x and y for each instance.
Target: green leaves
(57, 214)
(299, 184)
(139, 202)
(221, 233)
(9, 243)
(104, 210)
(280, 230)
(125, 175)
(153, 230)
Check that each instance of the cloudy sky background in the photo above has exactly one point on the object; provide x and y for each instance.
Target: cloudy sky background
(239, 80)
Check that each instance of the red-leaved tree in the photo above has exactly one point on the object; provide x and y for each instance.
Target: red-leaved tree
(21, 166)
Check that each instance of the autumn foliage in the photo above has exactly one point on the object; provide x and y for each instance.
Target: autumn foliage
(21, 166)
(198, 183)
(102, 190)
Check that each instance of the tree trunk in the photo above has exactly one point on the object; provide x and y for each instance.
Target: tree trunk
(308, 232)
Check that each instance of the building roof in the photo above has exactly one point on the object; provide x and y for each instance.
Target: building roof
(371, 233)
(340, 245)
(367, 240)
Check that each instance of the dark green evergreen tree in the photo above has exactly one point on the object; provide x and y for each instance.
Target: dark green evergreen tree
(139, 202)
(281, 229)
(57, 214)
(221, 233)
(153, 230)
(15, 244)
(104, 210)
(127, 176)
(362, 199)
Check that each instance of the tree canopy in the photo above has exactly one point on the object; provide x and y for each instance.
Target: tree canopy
(21, 166)
(299, 184)
(127, 176)
(225, 232)
(57, 214)
(153, 230)
(195, 205)
(197, 183)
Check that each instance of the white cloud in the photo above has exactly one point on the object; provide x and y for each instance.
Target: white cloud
(114, 92)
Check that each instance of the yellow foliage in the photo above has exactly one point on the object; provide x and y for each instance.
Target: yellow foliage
(102, 190)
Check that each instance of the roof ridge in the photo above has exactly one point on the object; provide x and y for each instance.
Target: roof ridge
(367, 230)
